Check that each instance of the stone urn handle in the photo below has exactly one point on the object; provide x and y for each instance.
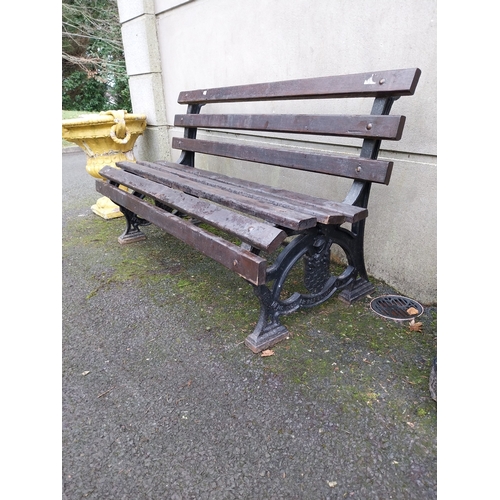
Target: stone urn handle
(119, 132)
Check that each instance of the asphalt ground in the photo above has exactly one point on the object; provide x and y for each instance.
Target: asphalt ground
(162, 400)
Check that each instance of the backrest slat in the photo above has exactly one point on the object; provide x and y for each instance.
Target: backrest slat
(363, 126)
(384, 86)
(375, 84)
(378, 171)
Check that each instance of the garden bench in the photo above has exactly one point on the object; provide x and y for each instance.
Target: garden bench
(270, 229)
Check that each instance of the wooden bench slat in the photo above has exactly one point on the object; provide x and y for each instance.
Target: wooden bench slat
(378, 171)
(371, 84)
(251, 231)
(261, 208)
(237, 259)
(361, 126)
(324, 210)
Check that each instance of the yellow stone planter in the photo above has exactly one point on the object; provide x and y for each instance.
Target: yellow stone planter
(106, 138)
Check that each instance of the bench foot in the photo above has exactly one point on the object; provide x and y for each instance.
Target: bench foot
(360, 288)
(131, 237)
(263, 338)
(132, 233)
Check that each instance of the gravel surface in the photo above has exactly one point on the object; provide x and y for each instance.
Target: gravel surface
(161, 402)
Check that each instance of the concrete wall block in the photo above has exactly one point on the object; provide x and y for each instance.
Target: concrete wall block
(164, 5)
(235, 42)
(130, 9)
(141, 45)
(146, 93)
(153, 145)
(401, 230)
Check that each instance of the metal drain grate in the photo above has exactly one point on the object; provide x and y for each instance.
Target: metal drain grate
(395, 307)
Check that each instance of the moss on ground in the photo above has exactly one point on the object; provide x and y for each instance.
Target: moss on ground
(335, 352)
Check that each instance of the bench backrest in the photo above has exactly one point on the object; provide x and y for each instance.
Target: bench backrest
(383, 86)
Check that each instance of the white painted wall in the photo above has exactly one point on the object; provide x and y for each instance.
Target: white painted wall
(175, 45)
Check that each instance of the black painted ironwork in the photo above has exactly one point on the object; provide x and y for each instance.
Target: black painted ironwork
(187, 157)
(314, 247)
(132, 233)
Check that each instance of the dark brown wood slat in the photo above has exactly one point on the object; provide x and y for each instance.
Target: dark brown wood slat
(378, 171)
(251, 231)
(374, 84)
(376, 127)
(281, 216)
(235, 190)
(315, 205)
(246, 264)
(324, 211)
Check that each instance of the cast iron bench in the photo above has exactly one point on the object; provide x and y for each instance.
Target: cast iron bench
(188, 202)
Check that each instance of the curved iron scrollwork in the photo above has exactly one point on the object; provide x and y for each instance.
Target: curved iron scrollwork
(314, 247)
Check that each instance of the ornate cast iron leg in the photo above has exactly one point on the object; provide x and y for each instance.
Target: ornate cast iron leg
(315, 247)
(356, 257)
(317, 265)
(132, 232)
(268, 330)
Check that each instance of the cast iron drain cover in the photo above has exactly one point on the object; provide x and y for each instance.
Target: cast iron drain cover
(395, 307)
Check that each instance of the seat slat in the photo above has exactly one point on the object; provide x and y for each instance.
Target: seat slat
(254, 232)
(235, 191)
(281, 216)
(373, 84)
(376, 127)
(322, 208)
(243, 262)
(378, 171)
(324, 211)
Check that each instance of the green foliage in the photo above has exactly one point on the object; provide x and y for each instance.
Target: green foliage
(83, 93)
(93, 64)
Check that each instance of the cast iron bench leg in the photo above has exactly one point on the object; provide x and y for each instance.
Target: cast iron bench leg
(356, 257)
(315, 247)
(132, 232)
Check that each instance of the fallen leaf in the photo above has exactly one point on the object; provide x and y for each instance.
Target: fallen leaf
(415, 327)
(412, 310)
(332, 483)
(267, 353)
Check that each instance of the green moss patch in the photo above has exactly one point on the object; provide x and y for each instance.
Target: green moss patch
(341, 354)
